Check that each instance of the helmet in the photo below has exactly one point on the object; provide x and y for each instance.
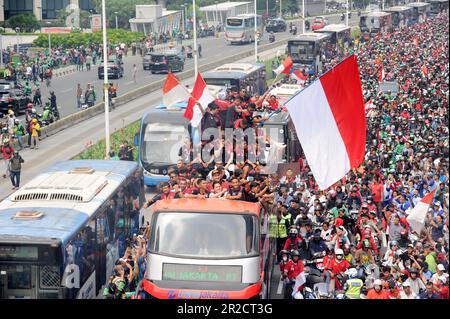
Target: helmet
(393, 243)
(293, 232)
(378, 282)
(34, 120)
(10, 111)
(29, 105)
(16, 121)
(47, 107)
(33, 110)
(284, 252)
(413, 270)
(352, 272)
(339, 252)
(295, 253)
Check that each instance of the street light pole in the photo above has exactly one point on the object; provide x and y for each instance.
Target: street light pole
(182, 19)
(117, 23)
(281, 13)
(105, 80)
(256, 36)
(267, 7)
(346, 13)
(195, 39)
(1, 50)
(303, 15)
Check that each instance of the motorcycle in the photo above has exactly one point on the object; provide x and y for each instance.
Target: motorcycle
(271, 38)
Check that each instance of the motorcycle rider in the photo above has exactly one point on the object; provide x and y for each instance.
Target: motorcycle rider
(335, 270)
(53, 105)
(293, 240)
(363, 258)
(353, 285)
(293, 268)
(317, 244)
(284, 260)
(377, 292)
(307, 24)
(271, 37)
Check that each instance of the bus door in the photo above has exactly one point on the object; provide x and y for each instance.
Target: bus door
(18, 281)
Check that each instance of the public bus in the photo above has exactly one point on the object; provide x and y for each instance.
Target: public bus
(340, 35)
(437, 6)
(249, 76)
(241, 28)
(401, 15)
(162, 129)
(61, 233)
(306, 51)
(374, 22)
(208, 249)
(421, 10)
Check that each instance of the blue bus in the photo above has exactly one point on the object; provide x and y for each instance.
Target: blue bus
(162, 134)
(61, 233)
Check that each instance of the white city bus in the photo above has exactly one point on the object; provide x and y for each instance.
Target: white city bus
(241, 28)
(421, 10)
(401, 15)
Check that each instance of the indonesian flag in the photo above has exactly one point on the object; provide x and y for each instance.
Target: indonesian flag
(299, 77)
(200, 94)
(424, 70)
(369, 106)
(284, 67)
(330, 122)
(416, 217)
(173, 91)
(381, 73)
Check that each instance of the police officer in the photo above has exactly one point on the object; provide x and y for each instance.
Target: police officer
(353, 285)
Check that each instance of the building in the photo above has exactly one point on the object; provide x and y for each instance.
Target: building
(218, 13)
(155, 18)
(42, 9)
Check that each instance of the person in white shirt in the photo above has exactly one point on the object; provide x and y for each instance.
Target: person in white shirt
(407, 292)
(440, 273)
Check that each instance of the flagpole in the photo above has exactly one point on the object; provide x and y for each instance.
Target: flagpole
(195, 39)
(256, 35)
(303, 15)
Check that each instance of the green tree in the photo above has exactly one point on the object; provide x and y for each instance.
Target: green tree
(26, 22)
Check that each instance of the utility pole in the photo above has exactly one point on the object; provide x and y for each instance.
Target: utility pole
(105, 80)
(195, 40)
(303, 15)
(256, 34)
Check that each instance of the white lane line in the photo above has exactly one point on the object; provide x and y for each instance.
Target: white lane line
(66, 91)
(280, 287)
(128, 83)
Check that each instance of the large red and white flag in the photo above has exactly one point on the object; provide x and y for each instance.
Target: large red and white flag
(330, 122)
(284, 67)
(173, 91)
(299, 76)
(381, 73)
(416, 217)
(200, 94)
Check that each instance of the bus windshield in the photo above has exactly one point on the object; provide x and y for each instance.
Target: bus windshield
(301, 51)
(204, 235)
(234, 22)
(166, 139)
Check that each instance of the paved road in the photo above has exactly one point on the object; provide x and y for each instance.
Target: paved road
(212, 49)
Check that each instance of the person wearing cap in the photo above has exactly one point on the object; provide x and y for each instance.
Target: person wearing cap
(407, 292)
(377, 292)
(35, 129)
(440, 274)
(415, 281)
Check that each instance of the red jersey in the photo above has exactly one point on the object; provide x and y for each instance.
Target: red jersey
(377, 191)
(289, 242)
(393, 294)
(339, 267)
(372, 294)
(294, 268)
(443, 292)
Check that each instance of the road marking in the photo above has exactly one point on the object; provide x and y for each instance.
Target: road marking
(128, 83)
(66, 91)
(280, 287)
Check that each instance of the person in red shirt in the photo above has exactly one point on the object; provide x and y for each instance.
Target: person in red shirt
(293, 240)
(377, 292)
(294, 267)
(377, 192)
(441, 288)
(394, 291)
(337, 266)
(273, 103)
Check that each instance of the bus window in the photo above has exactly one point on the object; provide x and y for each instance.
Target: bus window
(362, 22)
(302, 51)
(201, 235)
(234, 22)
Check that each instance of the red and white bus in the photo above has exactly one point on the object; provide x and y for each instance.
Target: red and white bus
(208, 249)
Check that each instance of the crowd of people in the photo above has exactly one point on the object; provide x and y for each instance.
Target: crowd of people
(353, 237)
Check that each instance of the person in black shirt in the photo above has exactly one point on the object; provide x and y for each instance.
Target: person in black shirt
(233, 112)
(235, 191)
(210, 120)
(126, 152)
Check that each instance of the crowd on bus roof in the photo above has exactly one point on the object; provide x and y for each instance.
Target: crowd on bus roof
(359, 226)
